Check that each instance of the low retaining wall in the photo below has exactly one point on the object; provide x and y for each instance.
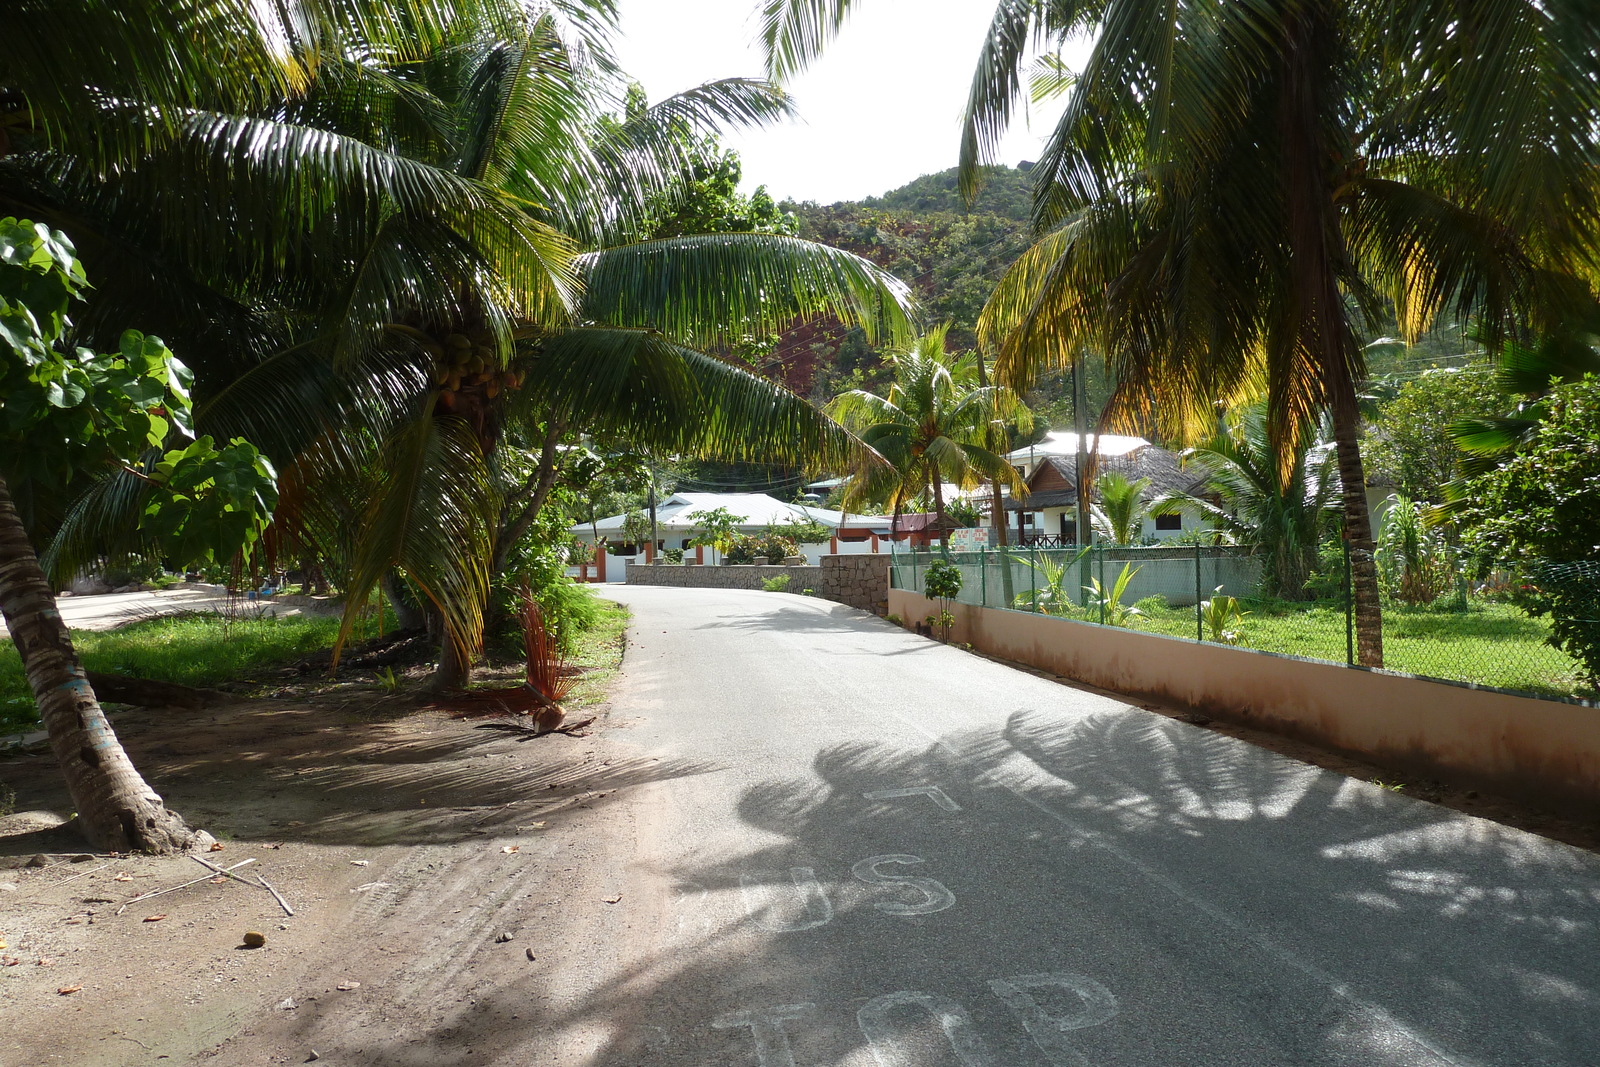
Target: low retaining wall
(1540, 750)
(861, 581)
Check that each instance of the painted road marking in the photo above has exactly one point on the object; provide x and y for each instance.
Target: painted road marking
(1049, 1032)
(766, 1027)
(932, 792)
(938, 897)
(873, 1018)
(817, 909)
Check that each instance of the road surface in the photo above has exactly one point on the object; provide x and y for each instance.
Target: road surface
(903, 855)
(111, 610)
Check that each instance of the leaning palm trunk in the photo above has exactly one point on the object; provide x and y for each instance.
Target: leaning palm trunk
(116, 808)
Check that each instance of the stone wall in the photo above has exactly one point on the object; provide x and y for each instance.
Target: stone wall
(861, 581)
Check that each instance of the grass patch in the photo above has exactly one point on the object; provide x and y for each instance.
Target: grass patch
(1489, 644)
(198, 649)
(598, 651)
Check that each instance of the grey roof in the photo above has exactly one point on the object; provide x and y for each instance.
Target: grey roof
(1157, 464)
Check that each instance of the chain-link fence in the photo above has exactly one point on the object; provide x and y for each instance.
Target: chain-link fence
(1473, 634)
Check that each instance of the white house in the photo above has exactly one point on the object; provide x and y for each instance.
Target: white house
(1048, 514)
(677, 525)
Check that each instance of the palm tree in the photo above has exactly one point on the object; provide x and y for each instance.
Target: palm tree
(1119, 516)
(454, 298)
(1236, 190)
(933, 427)
(1286, 519)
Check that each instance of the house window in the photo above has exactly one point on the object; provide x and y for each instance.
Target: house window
(1169, 522)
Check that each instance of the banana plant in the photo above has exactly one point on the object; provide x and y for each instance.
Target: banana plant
(1222, 616)
(1108, 602)
(1053, 598)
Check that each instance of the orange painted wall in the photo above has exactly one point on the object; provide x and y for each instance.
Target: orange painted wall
(1540, 750)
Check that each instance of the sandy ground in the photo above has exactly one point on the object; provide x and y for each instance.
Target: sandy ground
(408, 843)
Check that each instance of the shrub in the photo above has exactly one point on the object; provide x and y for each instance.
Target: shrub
(894, 618)
(1414, 561)
(776, 584)
(1152, 604)
(672, 555)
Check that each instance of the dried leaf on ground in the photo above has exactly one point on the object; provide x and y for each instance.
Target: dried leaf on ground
(155, 918)
(122, 876)
(68, 990)
(347, 986)
(216, 846)
(9, 961)
(508, 849)
(359, 863)
(613, 900)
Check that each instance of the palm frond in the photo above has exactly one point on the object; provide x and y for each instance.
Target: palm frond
(729, 286)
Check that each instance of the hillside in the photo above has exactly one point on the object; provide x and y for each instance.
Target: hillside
(922, 233)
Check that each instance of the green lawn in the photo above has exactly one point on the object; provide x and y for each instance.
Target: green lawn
(196, 649)
(1490, 644)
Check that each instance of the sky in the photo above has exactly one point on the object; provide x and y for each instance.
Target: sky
(883, 106)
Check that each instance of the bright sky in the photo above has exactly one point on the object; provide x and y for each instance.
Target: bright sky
(882, 107)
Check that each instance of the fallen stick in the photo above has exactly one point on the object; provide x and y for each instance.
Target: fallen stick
(175, 888)
(276, 896)
(75, 877)
(223, 872)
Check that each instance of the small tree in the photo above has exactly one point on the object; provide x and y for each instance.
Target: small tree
(1119, 515)
(716, 528)
(942, 581)
(636, 527)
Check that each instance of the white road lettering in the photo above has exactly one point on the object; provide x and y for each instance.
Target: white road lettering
(932, 792)
(817, 910)
(938, 897)
(873, 1018)
(766, 1026)
(1095, 1005)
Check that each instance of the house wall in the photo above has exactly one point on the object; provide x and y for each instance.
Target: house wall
(861, 581)
(1539, 750)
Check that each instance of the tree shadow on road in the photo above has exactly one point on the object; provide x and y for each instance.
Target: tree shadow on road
(1240, 908)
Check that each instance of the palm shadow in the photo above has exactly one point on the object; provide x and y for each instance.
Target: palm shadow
(1242, 909)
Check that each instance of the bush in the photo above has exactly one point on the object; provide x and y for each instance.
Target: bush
(746, 548)
(672, 555)
(777, 584)
(1151, 604)
(1327, 581)
(1537, 515)
(942, 580)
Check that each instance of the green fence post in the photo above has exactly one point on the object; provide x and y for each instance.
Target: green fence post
(983, 576)
(1199, 621)
(916, 580)
(1102, 554)
(1349, 611)
(1033, 578)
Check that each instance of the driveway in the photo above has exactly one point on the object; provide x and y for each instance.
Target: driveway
(904, 855)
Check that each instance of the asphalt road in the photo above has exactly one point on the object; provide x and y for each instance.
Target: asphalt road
(892, 853)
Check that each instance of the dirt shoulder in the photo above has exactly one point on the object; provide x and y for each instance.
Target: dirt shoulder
(409, 845)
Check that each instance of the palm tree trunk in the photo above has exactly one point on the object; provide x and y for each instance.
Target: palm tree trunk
(1358, 530)
(117, 810)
